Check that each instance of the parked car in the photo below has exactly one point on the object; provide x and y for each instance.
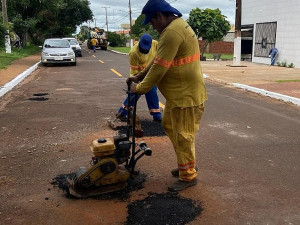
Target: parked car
(75, 46)
(57, 50)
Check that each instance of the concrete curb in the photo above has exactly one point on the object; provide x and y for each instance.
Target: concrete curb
(118, 52)
(263, 92)
(10, 85)
(271, 94)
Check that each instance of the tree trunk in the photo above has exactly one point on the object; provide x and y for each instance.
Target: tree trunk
(203, 47)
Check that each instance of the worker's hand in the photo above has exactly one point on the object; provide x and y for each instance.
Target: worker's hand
(133, 87)
(133, 79)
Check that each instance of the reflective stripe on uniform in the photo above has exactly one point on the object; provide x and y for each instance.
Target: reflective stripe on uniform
(186, 167)
(177, 62)
(154, 110)
(139, 68)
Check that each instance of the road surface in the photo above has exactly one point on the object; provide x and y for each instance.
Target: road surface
(248, 151)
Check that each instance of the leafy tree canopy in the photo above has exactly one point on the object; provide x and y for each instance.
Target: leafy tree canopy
(40, 19)
(138, 29)
(209, 24)
(115, 39)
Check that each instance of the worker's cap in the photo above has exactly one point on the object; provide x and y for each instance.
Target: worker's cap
(145, 42)
(154, 6)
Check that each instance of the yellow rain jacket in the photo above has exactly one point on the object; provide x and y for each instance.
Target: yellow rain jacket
(177, 72)
(176, 69)
(139, 61)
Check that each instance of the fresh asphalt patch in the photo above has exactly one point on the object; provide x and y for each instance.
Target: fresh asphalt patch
(39, 97)
(158, 209)
(162, 209)
(150, 129)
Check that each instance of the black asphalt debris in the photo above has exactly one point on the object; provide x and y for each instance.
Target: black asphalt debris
(40, 94)
(39, 99)
(150, 129)
(161, 209)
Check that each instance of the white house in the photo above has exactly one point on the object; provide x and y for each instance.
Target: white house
(272, 23)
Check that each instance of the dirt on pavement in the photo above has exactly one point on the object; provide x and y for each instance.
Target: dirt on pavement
(63, 145)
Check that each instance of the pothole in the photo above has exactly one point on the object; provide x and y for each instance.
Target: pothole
(39, 99)
(40, 94)
(162, 209)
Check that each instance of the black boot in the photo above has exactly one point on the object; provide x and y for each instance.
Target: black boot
(180, 185)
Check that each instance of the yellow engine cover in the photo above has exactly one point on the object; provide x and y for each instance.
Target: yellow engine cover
(97, 177)
(102, 147)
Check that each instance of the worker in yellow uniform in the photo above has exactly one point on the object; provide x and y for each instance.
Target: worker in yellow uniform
(142, 54)
(177, 72)
(94, 43)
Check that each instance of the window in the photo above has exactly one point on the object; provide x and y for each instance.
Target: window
(265, 38)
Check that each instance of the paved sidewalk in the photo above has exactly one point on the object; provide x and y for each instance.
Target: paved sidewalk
(255, 77)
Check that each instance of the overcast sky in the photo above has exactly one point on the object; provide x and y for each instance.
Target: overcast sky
(118, 10)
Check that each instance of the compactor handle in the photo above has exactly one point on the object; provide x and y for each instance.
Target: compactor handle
(145, 148)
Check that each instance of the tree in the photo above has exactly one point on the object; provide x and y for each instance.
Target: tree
(115, 39)
(2, 34)
(138, 29)
(83, 33)
(40, 19)
(209, 24)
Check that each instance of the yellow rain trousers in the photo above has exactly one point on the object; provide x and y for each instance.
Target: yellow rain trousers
(181, 125)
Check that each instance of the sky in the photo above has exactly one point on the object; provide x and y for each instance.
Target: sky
(118, 10)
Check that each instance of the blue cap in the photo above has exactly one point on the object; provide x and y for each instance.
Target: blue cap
(145, 42)
(154, 6)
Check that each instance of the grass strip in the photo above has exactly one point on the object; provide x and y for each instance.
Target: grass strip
(16, 53)
(286, 81)
(120, 49)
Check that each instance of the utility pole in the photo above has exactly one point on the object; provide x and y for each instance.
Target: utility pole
(130, 23)
(106, 18)
(5, 22)
(237, 34)
(95, 22)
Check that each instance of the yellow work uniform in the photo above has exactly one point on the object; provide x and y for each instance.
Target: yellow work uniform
(94, 42)
(139, 61)
(177, 72)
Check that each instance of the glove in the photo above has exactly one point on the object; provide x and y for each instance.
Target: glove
(134, 79)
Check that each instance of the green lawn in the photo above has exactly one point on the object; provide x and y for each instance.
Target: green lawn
(16, 53)
(120, 49)
(207, 55)
(285, 81)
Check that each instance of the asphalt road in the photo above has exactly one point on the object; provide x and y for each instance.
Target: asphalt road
(248, 150)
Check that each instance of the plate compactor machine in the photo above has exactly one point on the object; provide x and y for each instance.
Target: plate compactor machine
(113, 162)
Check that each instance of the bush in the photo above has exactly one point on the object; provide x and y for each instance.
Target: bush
(291, 65)
(116, 40)
(283, 64)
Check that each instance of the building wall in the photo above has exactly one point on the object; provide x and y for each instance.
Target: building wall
(287, 15)
(218, 47)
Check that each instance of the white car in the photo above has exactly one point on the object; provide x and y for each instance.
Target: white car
(57, 50)
(75, 46)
